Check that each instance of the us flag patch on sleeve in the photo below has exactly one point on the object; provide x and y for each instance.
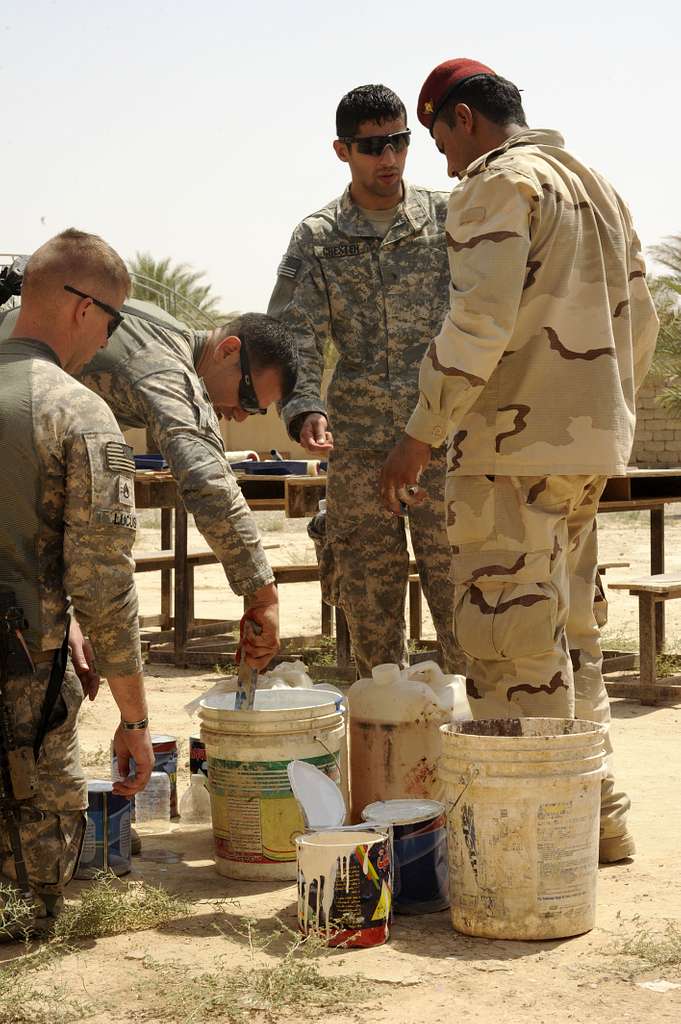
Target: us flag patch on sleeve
(119, 457)
(289, 266)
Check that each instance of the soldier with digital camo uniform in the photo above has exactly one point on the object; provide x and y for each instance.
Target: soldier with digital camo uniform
(66, 533)
(158, 374)
(368, 274)
(534, 373)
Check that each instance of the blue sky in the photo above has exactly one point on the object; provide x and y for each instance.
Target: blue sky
(202, 131)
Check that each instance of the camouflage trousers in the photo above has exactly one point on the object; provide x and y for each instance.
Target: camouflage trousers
(364, 563)
(53, 821)
(525, 558)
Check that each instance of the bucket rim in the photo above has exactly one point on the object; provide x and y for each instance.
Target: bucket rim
(460, 729)
(435, 809)
(308, 838)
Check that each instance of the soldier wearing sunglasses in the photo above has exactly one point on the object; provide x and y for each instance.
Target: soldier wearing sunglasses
(367, 277)
(158, 374)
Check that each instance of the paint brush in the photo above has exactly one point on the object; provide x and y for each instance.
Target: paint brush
(247, 676)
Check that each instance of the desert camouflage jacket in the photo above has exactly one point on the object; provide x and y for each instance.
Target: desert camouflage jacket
(551, 327)
(379, 301)
(67, 508)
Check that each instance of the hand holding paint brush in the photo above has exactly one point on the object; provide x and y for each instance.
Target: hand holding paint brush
(247, 677)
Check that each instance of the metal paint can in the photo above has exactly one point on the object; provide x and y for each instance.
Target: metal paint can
(421, 873)
(106, 844)
(198, 762)
(165, 760)
(344, 886)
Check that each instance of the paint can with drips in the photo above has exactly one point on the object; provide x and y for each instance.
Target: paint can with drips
(106, 844)
(419, 833)
(344, 886)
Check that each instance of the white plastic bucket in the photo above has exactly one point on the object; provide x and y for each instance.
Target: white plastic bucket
(523, 815)
(255, 815)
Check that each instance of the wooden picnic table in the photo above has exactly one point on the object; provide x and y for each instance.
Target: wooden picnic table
(298, 496)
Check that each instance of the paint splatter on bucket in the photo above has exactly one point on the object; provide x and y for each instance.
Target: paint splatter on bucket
(421, 872)
(106, 844)
(344, 886)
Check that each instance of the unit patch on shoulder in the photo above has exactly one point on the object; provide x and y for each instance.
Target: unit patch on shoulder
(289, 266)
(119, 457)
(116, 517)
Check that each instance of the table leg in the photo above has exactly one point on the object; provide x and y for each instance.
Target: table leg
(327, 620)
(647, 648)
(657, 566)
(181, 595)
(415, 610)
(343, 645)
(166, 574)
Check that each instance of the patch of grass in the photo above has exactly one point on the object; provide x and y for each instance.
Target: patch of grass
(653, 946)
(668, 664)
(233, 994)
(24, 999)
(109, 907)
(16, 912)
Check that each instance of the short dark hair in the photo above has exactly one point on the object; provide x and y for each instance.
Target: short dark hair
(496, 98)
(367, 103)
(268, 344)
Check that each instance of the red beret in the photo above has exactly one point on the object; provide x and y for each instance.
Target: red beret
(442, 81)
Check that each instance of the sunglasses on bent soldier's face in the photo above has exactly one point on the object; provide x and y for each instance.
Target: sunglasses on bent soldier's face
(248, 400)
(373, 145)
(116, 317)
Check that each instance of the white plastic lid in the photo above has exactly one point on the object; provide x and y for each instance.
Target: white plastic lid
(402, 812)
(272, 700)
(99, 786)
(318, 796)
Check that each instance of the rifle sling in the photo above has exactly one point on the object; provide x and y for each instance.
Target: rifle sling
(53, 689)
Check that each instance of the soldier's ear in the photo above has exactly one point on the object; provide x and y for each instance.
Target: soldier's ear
(341, 150)
(226, 346)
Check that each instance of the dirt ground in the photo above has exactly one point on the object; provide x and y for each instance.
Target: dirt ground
(427, 972)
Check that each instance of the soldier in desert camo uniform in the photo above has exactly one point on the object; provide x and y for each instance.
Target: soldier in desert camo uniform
(533, 377)
(368, 275)
(66, 533)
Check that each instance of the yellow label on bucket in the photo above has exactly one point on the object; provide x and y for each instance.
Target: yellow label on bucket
(255, 814)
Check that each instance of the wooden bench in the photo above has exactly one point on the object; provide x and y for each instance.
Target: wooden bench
(650, 591)
(164, 561)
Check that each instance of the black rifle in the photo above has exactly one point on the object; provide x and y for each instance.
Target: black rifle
(18, 776)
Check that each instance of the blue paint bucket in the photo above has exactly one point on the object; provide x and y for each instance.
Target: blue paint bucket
(421, 872)
(106, 844)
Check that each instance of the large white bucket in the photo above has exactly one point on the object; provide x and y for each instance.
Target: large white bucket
(255, 815)
(523, 814)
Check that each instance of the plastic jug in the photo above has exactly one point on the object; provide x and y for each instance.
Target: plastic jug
(450, 690)
(153, 802)
(394, 738)
(195, 803)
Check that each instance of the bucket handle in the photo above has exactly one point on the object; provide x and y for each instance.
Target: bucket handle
(329, 752)
(468, 780)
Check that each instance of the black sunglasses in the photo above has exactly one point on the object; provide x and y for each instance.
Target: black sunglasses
(116, 317)
(373, 145)
(248, 400)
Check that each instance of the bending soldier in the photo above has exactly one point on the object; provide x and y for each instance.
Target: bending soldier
(158, 374)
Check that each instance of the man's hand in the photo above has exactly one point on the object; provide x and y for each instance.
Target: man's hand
(83, 659)
(401, 472)
(135, 743)
(263, 608)
(315, 435)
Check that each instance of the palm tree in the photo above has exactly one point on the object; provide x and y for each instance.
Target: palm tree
(176, 288)
(666, 290)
